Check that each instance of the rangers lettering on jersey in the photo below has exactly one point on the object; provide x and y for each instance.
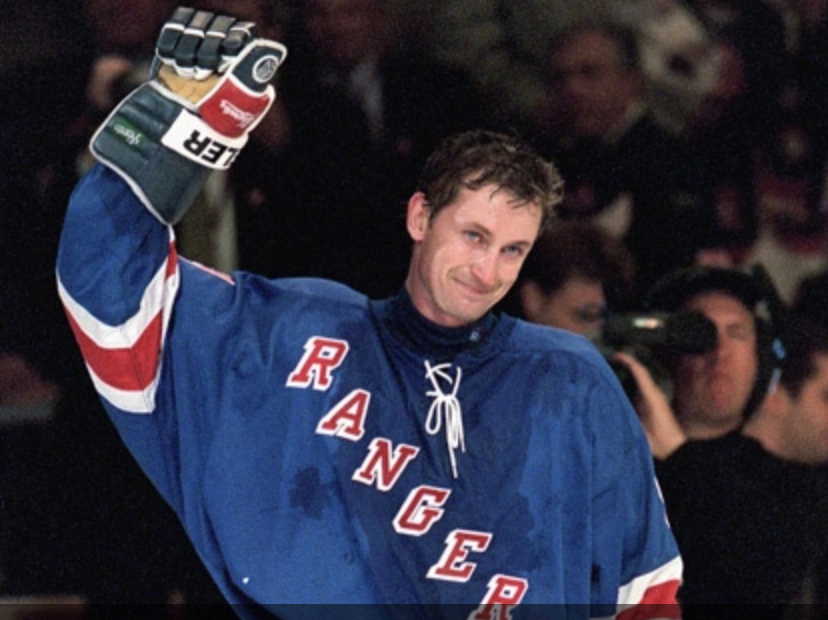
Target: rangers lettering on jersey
(383, 467)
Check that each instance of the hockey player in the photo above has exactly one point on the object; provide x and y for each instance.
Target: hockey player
(320, 447)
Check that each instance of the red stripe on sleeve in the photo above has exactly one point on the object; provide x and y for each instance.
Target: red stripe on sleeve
(659, 601)
(129, 368)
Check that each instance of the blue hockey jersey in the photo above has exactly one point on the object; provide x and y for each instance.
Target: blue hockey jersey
(322, 448)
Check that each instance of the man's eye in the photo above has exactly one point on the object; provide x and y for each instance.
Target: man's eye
(513, 250)
(741, 333)
(590, 314)
(474, 236)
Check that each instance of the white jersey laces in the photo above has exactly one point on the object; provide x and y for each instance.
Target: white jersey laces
(445, 407)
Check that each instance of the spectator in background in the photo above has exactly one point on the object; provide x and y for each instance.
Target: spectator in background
(714, 392)
(750, 508)
(573, 275)
(502, 46)
(623, 171)
(328, 198)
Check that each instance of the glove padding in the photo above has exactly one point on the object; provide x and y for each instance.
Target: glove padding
(209, 86)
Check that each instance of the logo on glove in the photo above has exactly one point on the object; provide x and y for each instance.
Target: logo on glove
(265, 69)
(242, 118)
(130, 134)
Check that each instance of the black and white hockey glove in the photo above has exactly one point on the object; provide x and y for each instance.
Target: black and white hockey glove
(210, 85)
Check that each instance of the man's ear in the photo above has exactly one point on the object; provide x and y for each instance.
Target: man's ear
(417, 217)
(531, 299)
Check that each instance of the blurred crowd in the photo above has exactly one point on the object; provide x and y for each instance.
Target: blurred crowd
(690, 137)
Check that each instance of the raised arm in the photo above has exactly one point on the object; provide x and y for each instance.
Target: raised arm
(119, 275)
(118, 272)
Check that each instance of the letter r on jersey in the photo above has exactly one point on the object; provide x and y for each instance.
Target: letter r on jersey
(322, 356)
(505, 592)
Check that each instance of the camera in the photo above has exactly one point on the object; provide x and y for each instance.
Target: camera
(654, 338)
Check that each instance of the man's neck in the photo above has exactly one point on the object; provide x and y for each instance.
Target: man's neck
(695, 429)
(768, 435)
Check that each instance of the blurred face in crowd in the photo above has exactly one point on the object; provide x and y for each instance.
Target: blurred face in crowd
(592, 87)
(577, 306)
(729, 86)
(468, 256)
(803, 427)
(712, 389)
(345, 31)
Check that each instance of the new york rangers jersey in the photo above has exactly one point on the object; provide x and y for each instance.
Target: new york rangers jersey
(323, 448)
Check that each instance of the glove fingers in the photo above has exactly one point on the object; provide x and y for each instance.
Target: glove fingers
(186, 51)
(237, 38)
(197, 44)
(210, 52)
(171, 33)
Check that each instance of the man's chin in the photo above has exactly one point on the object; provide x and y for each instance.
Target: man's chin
(723, 413)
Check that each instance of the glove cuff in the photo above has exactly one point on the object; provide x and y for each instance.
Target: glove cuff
(163, 149)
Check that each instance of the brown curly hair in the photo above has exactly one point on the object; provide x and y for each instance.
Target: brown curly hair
(476, 158)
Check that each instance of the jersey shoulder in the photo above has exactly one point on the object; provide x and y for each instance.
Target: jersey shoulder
(319, 291)
(537, 339)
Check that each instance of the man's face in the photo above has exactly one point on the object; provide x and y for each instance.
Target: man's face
(593, 89)
(806, 423)
(468, 256)
(712, 389)
(577, 306)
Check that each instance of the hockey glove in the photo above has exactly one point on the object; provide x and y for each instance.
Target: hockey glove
(209, 87)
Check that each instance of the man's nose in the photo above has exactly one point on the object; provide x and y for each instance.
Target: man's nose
(485, 269)
(722, 348)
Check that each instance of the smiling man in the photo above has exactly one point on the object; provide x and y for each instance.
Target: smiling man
(468, 259)
(321, 447)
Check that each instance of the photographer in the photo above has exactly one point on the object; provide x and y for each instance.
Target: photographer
(716, 391)
(737, 452)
